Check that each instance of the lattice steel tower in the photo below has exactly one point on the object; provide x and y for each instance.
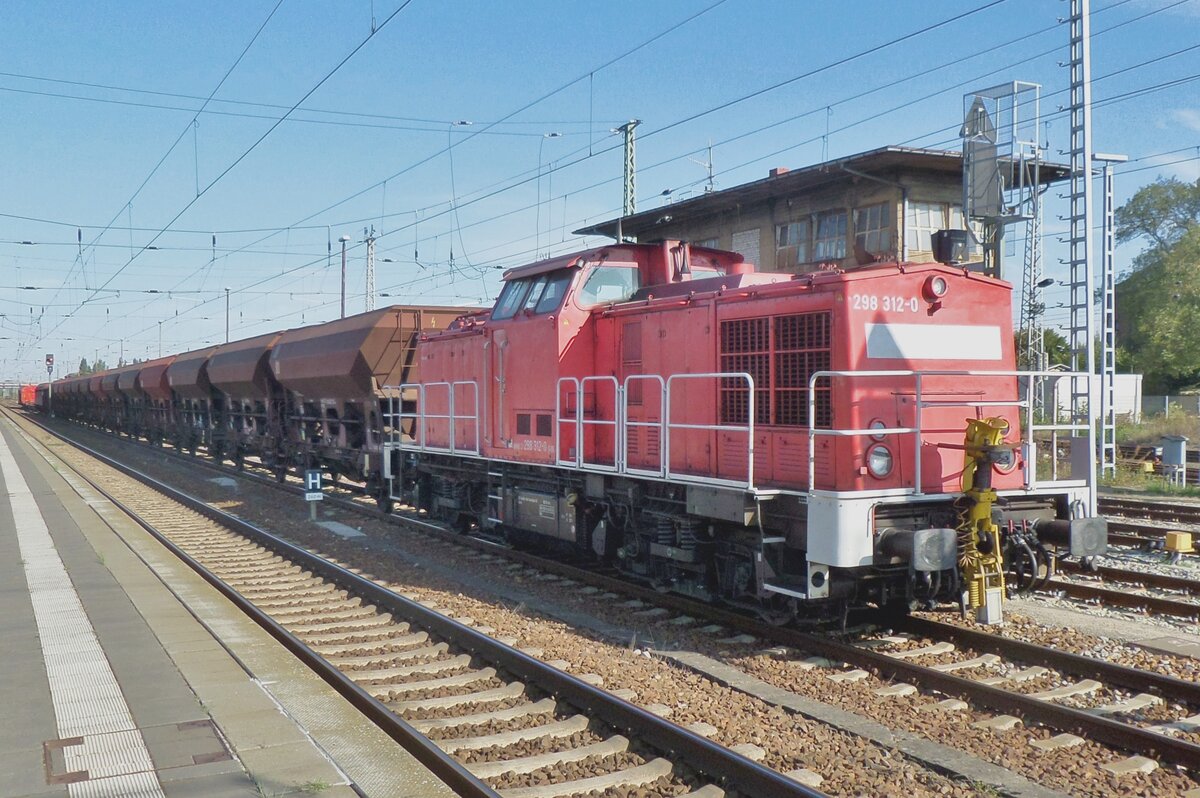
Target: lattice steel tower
(629, 206)
(1082, 331)
(369, 237)
(1033, 341)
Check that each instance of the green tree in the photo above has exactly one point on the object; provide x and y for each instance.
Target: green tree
(1161, 214)
(84, 368)
(1058, 351)
(1158, 315)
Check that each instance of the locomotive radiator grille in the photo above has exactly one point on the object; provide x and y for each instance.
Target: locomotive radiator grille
(780, 353)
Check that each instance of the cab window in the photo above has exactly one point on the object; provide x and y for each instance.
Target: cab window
(512, 298)
(542, 293)
(535, 293)
(555, 290)
(609, 284)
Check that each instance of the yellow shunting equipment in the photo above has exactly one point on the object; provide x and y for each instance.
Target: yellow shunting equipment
(980, 561)
(1179, 543)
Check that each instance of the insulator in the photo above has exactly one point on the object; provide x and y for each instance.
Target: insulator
(664, 532)
(687, 534)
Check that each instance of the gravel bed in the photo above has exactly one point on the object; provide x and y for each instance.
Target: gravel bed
(849, 765)
(496, 753)
(384, 662)
(489, 727)
(489, 683)
(466, 709)
(569, 771)
(663, 788)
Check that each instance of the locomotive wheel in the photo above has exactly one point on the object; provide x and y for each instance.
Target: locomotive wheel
(281, 471)
(385, 503)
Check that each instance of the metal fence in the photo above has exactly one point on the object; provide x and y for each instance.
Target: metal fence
(1166, 405)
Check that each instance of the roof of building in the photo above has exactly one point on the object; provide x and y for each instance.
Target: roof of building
(786, 183)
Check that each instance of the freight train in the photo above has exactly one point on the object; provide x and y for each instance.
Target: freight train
(795, 444)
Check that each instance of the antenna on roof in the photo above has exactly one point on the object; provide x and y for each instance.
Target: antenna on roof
(708, 164)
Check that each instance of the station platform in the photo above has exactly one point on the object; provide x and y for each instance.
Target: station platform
(125, 674)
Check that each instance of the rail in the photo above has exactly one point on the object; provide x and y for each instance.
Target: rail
(1030, 381)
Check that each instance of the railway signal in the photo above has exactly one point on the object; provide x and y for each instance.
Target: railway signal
(312, 491)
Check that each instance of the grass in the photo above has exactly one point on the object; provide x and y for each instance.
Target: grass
(1153, 428)
(1148, 483)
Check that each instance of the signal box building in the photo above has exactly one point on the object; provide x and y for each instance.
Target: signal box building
(882, 205)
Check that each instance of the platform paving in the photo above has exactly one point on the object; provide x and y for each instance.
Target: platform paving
(127, 674)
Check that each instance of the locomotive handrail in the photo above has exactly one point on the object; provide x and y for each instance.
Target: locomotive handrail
(1030, 470)
(748, 428)
(421, 415)
(580, 461)
(626, 424)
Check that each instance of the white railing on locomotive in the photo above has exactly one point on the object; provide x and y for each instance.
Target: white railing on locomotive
(422, 417)
(391, 412)
(579, 423)
(627, 424)
(1025, 405)
(747, 428)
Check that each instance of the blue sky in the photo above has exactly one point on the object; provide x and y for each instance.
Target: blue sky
(371, 145)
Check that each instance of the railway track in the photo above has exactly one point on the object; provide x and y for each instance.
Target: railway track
(1156, 510)
(1110, 722)
(487, 718)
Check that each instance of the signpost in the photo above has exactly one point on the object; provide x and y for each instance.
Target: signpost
(312, 491)
(50, 382)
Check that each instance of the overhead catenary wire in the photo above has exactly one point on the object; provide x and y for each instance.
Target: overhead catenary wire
(511, 211)
(258, 141)
(281, 228)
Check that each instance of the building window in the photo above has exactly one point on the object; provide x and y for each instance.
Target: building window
(830, 244)
(926, 218)
(873, 229)
(792, 244)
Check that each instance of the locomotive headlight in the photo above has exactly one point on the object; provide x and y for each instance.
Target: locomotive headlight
(935, 288)
(879, 461)
(1005, 459)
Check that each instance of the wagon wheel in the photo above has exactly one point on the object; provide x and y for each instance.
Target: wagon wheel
(384, 502)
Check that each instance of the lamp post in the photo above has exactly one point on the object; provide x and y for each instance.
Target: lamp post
(538, 227)
(344, 239)
(226, 314)
(160, 339)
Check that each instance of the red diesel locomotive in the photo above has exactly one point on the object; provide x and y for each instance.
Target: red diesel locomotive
(787, 442)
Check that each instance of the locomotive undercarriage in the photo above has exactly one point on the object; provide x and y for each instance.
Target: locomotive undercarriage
(735, 550)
